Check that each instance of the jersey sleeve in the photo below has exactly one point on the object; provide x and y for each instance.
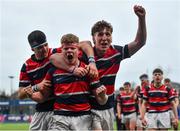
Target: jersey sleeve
(56, 50)
(176, 93)
(83, 57)
(123, 50)
(49, 74)
(145, 91)
(118, 98)
(24, 80)
(139, 95)
(171, 95)
(95, 83)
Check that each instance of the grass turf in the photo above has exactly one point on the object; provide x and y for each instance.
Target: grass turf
(25, 126)
(14, 126)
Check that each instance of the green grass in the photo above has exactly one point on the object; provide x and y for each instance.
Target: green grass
(25, 126)
(115, 126)
(14, 126)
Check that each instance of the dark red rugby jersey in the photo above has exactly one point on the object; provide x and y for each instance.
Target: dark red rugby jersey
(158, 98)
(71, 92)
(108, 66)
(33, 72)
(127, 103)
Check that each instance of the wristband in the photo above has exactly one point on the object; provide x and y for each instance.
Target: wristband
(91, 59)
(35, 88)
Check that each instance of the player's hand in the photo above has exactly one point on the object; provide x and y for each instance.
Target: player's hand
(92, 70)
(175, 122)
(139, 11)
(119, 117)
(101, 91)
(80, 71)
(144, 122)
(101, 96)
(43, 85)
(28, 91)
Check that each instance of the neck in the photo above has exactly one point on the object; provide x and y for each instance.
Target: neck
(74, 63)
(157, 84)
(100, 53)
(38, 57)
(127, 91)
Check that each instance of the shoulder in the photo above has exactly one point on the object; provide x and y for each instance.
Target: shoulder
(146, 88)
(123, 50)
(52, 69)
(28, 62)
(168, 88)
(117, 47)
(55, 50)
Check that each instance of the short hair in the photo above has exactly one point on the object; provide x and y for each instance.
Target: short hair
(167, 80)
(101, 25)
(157, 70)
(127, 83)
(69, 38)
(36, 38)
(143, 76)
(152, 81)
(121, 88)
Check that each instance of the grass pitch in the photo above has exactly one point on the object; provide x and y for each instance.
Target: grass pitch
(14, 126)
(25, 126)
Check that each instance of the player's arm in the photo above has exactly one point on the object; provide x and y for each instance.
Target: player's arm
(140, 38)
(58, 61)
(174, 109)
(33, 92)
(24, 82)
(118, 110)
(27, 92)
(85, 46)
(176, 97)
(37, 96)
(143, 111)
(177, 101)
(22, 94)
(140, 105)
(134, 92)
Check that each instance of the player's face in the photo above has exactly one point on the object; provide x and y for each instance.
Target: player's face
(121, 90)
(166, 83)
(41, 52)
(102, 40)
(157, 77)
(126, 87)
(70, 52)
(144, 81)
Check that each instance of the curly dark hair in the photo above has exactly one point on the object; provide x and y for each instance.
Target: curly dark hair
(101, 25)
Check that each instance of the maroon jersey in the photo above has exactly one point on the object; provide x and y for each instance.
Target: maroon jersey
(71, 92)
(108, 66)
(33, 72)
(127, 103)
(158, 98)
